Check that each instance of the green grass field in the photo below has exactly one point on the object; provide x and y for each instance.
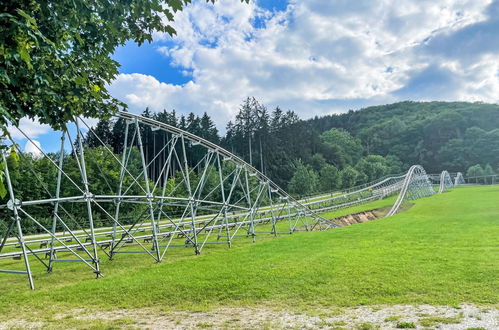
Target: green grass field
(378, 204)
(443, 250)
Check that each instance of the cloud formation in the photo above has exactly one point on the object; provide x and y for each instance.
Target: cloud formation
(33, 148)
(31, 128)
(319, 57)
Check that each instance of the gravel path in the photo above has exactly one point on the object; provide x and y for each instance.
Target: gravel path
(370, 317)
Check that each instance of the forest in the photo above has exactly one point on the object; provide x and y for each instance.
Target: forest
(337, 151)
(305, 157)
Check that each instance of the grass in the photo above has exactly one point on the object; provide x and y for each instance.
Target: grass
(367, 326)
(379, 204)
(406, 325)
(442, 251)
(436, 320)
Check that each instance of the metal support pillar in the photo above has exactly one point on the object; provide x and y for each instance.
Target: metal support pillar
(14, 205)
(88, 199)
(120, 186)
(149, 195)
(56, 203)
(191, 198)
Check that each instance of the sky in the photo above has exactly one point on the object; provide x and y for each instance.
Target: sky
(315, 57)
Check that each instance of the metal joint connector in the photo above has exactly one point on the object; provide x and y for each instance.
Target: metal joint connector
(88, 195)
(11, 204)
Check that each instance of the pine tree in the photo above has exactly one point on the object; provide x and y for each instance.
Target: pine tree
(208, 129)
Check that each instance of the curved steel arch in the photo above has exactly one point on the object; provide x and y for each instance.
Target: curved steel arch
(459, 179)
(146, 213)
(147, 209)
(415, 185)
(445, 182)
(215, 148)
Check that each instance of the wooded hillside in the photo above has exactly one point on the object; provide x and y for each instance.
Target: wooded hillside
(327, 153)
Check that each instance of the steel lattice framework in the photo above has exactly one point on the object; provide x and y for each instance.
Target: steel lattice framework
(459, 179)
(445, 182)
(416, 184)
(183, 192)
(142, 207)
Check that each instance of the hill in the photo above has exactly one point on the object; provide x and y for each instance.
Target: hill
(327, 153)
(436, 135)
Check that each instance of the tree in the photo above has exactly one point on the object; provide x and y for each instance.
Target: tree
(330, 178)
(474, 171)
(56, 55)
(304, 181)
(348, 148)
(488, 171)
(318, 162)
(394, 164)
(102, 132)
(252, 116)
(373, 166)
(349, 177)
(208, 129)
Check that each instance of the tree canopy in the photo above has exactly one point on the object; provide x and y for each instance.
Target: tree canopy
(297, 156)
(56, 55)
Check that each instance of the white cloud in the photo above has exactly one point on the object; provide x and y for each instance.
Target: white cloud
(32, 128)
(33, 148)
(316, 57)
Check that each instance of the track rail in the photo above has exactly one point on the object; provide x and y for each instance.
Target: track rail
(191, 202)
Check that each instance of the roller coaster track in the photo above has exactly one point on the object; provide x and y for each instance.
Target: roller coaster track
(412, 185)
(416, 184)
(445, 182)
(211, 200)
(150, 207)
(458, 179)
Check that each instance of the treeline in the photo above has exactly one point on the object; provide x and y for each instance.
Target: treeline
(436, 135)
(341, 150)
(295, 156)
(35, 178)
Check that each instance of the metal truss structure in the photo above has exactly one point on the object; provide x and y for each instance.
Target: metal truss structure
(445, 182)
(416, 184)
(183, 192)
(378, 189)
(149, 197)
(459, 179)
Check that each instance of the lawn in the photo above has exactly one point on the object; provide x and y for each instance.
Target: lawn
(443, 250)
(384, 204)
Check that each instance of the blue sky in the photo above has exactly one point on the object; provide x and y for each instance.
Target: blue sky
(148, 59)
(312, 56)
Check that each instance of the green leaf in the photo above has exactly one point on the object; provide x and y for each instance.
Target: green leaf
(30, 20)
(13, 154)
(170, 30)
(175, 4)
(80, 80)
(25, 56)
(3, 189)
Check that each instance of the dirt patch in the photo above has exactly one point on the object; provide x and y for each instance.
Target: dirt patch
(366, 317)
(364, 216)
(352, 219)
